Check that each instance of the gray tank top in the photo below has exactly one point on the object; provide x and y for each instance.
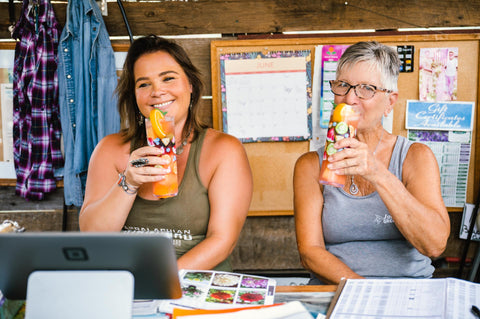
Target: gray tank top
(363, 235)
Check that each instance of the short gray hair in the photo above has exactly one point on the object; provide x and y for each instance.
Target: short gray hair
(381, 57)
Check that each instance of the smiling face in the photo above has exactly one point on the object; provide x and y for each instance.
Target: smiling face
(373, 109)
(161, 83)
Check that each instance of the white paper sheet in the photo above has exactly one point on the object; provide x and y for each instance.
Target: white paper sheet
(407, 298)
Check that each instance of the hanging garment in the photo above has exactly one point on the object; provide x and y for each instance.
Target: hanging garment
(87, 81)
(36, 120)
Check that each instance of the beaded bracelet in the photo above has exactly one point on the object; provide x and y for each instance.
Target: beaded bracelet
(122, 182)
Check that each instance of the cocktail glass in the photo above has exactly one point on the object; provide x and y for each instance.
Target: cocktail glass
(343, 123)
(160, 134)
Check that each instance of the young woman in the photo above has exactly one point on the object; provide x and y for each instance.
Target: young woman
(215, 181)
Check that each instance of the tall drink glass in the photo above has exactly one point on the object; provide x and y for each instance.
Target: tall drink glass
(160, 133)
(343, 123)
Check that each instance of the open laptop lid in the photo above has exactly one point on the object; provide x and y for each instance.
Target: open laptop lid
(149, 257)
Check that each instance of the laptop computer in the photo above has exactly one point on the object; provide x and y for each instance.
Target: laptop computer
(150, 257)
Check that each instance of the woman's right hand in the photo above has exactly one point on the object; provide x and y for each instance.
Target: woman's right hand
(145, 165)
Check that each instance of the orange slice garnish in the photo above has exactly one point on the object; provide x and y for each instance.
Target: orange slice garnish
(155, 117)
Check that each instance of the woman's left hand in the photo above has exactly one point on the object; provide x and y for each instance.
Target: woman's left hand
(353, 157)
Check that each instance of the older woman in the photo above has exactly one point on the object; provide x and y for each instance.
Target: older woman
(215, 181)
(389, 218)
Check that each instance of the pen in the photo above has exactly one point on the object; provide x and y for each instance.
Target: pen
(475, 311)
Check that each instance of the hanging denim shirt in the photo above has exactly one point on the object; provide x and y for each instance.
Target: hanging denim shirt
(36, 124)
(87, 80)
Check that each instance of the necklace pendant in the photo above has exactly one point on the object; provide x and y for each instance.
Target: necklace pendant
(180, 148)
(353, 187)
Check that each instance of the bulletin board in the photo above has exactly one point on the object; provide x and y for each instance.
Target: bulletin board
(273, 162)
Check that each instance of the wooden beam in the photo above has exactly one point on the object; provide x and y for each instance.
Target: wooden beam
(174, 17)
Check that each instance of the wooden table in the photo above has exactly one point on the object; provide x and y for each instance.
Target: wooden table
(305, 288)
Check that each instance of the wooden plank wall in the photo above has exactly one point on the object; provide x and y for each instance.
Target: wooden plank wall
(173, 17)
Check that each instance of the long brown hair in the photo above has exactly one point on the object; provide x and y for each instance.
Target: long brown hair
(133, 129)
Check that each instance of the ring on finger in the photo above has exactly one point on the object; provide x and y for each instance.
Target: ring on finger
(139, 162)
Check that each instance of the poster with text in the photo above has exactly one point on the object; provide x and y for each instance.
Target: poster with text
(330, 56)
(446, 127)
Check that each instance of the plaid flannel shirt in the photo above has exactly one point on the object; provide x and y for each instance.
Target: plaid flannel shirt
(36, 115)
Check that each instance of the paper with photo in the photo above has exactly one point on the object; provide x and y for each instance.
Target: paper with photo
(438, 74)
(204, 289)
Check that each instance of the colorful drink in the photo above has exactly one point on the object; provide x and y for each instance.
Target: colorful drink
(160, 133)
(343, 123)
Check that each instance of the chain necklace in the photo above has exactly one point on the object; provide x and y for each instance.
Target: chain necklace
(182, 145)
(353, 187)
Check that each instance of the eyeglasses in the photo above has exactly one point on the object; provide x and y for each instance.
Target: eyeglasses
(363, 91)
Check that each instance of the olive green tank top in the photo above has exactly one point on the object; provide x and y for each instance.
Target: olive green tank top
(184, 216)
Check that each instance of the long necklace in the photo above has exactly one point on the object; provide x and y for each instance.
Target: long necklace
(353, 187)
(182, 145)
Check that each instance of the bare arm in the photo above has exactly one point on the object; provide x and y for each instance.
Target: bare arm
(416, 204)
(106, 205)
(225, 169)
(308, 203)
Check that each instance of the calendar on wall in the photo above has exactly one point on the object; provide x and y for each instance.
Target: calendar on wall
(267, 96)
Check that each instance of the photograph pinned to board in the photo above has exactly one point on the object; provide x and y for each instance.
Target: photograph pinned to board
(445, 127)
(438, 74)
(267, 96)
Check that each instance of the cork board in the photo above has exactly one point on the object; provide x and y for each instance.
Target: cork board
(273, 162)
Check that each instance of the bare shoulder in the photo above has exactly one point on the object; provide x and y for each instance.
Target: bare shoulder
(420, 161)
(110, 149)
(418, 153)
(113, 140)
(223, 155)
(308, 161)
(221, 143)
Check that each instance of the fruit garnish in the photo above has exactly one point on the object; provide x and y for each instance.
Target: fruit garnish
(344, 112)
(341, 128)
(331, 135)
(331, 149)
(337, 112)
(155, 117)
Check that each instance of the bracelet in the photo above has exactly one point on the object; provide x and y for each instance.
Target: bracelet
(122, 182)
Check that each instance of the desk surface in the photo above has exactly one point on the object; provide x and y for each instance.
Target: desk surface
(306, 288)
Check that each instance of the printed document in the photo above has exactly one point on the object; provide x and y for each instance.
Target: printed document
(406, 298)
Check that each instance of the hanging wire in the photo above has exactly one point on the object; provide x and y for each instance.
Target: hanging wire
(11, 14)
(122, 10)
